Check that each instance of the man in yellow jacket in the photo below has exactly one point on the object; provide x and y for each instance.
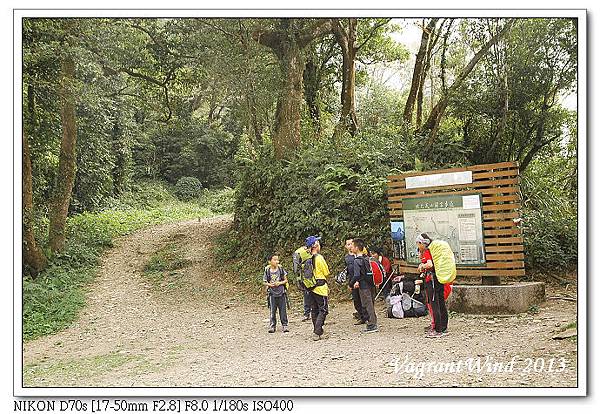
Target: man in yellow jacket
(315, 281)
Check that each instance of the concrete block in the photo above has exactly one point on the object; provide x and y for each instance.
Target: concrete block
(497, 299)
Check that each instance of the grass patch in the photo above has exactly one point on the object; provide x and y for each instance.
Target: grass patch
(162, 267)
(74, 370)
(52, 301)
(572, 325)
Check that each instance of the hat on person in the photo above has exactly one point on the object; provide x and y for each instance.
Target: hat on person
(311, 240)
(423, 239)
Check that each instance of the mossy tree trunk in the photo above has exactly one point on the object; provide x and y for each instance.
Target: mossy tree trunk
(33, 256)
(67, 159)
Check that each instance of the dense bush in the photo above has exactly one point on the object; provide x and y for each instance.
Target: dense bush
(186, 148)
(218, 201)
(188, 188)
(331, 189)
(550, 217)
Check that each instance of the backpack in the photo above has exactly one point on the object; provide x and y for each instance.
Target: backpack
(298, 259)
(412, 307)
(443, 261)
(377, 272)
(394, 307)
(342, 277)
(307, 276)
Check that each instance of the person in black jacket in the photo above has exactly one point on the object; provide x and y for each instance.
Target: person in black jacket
(362, 282)
(360, 313)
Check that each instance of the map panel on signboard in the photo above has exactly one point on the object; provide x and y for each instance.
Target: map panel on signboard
(457, 219)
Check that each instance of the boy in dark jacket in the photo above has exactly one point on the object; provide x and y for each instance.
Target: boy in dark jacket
(364, 284)
(275, 279)
(360, 313)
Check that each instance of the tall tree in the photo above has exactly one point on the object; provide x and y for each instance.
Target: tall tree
(419, 73)
(432, 123)
(287, 41)
(365, 41)
(66, 167)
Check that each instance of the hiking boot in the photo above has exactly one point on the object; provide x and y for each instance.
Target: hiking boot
(360, 322)
(271, 330)
(371, 329)
(434, 334)
(285, 329)
(316, 337)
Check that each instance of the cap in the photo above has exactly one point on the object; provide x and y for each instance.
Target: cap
(311, 240)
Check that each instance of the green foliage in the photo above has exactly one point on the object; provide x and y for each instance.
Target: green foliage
(188, 188)
(218, 201)
(328, 189)
(187, 148)
(550, 218)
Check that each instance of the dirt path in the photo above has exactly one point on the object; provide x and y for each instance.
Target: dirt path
(199, 334)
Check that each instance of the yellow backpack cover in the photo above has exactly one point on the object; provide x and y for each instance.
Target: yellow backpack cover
(443, 261)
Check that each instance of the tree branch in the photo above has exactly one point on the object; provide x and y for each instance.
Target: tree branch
(372, 33)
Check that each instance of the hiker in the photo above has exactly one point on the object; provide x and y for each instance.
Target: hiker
(434, 290)
(386, 286)
(362, 280)
(299, 257)
(360, 313)
(275, 279)
(315, 280)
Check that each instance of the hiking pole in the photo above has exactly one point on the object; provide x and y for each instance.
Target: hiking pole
(388, 279)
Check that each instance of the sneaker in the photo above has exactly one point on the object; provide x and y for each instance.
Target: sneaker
(360, 322)
(371, 329)
(306, 318)
(428, 329)
(316, 337)
(434, 334)
(271, 330)
(285, 329)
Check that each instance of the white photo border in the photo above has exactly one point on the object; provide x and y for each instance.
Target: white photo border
(582, 358)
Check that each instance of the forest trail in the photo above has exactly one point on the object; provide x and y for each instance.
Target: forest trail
(197, 332)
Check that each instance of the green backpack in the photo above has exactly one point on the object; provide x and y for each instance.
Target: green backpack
(443, 261)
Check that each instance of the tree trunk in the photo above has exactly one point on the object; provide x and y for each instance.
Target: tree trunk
(538, 142)
(347, 42)
(286, 136)
(503, 119)
(287, 44)
(67, 160)
(33, 256)
(311, 90)
(418, 71)
(433, 121)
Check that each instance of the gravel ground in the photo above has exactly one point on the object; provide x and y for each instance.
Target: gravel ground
(199, 333)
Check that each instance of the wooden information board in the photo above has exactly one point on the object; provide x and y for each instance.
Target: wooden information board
(499, 187)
